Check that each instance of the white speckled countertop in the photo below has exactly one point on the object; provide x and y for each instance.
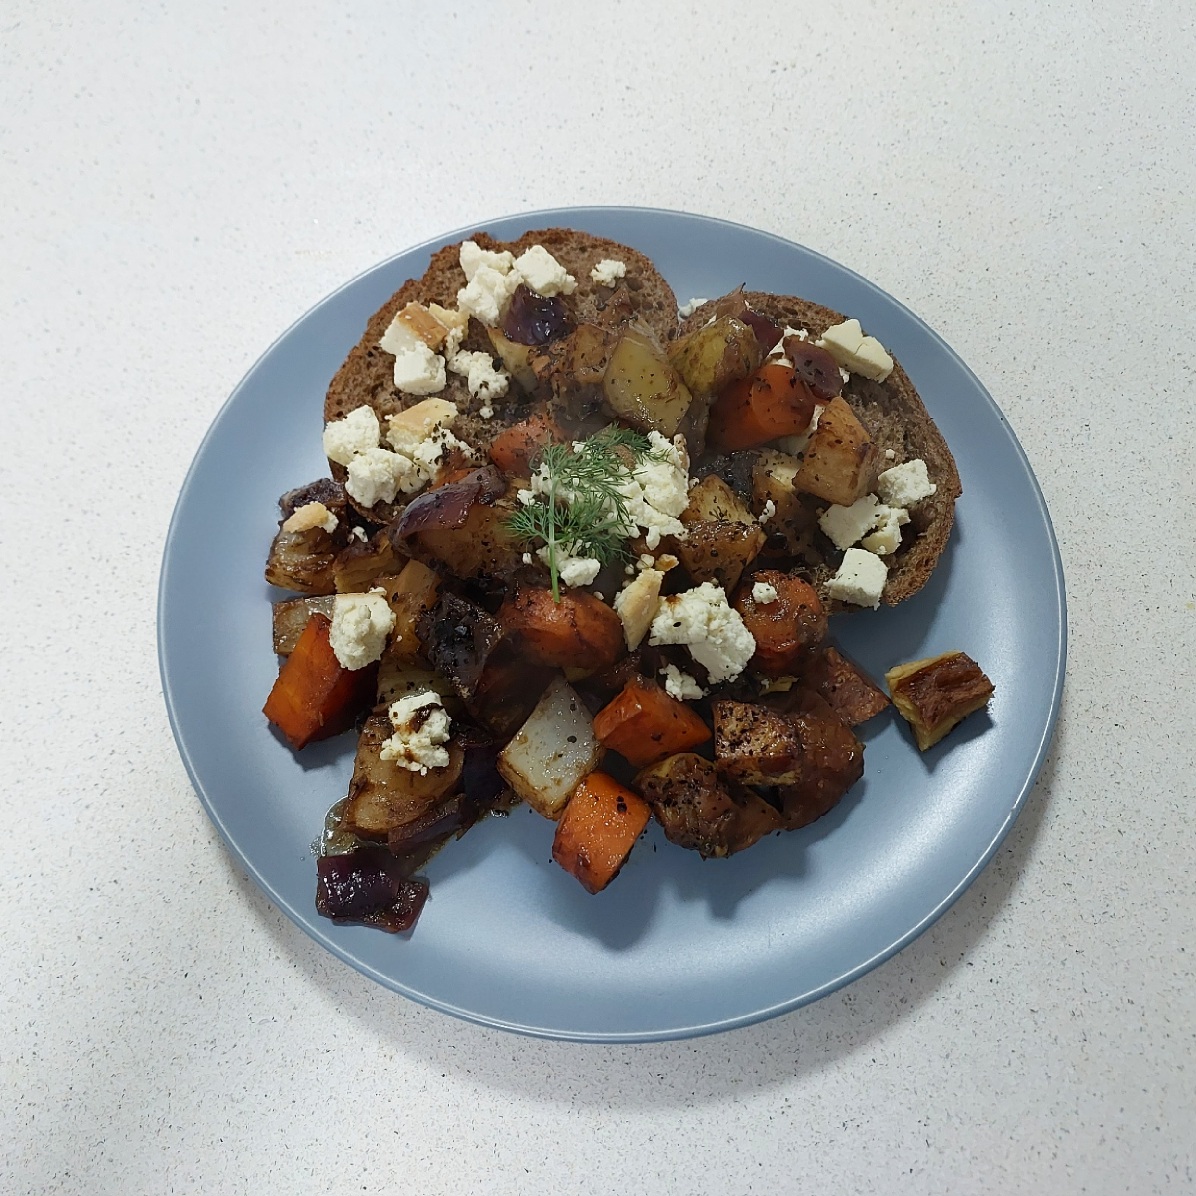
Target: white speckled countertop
(179, 182)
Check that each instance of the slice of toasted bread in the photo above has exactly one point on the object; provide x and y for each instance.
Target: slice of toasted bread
(367, 375)
(898, 421)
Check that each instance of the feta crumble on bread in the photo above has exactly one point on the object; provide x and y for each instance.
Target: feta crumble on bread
(854, 351)
(860, 580)
(608, 271)
(905, 484)
(418, 436)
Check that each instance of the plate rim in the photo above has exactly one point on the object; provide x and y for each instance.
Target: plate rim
(575, 216)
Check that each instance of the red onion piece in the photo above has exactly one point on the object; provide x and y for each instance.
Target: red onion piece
(533, 319)
(448, 507)
(368, 886)
(815, 367)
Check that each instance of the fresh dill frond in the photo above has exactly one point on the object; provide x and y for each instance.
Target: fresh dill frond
(579, 508)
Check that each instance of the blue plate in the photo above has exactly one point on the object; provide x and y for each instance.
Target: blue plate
(677, 946)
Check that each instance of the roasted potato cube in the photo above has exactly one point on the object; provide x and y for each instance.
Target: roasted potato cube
(642, 387)
(936, 693)
(755, 745)
(700, 810)
(398, 678)
(722, 536)
(482, 546)
(552, 751)
(832, 761)
(715, 355)
(719, 550)
(516, 358)
(851, 693)
(384, 795)
(841, 462)
(412, 592)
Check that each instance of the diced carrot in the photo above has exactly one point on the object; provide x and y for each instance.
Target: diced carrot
(644, 724)
(598, 830)
(315, 696)
(788, 628)
(772, 402)
(513, 449)
(577, 630)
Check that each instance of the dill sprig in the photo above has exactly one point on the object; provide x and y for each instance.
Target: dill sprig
(580, 509)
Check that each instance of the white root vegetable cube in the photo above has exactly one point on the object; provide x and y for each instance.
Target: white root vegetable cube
(552, 752)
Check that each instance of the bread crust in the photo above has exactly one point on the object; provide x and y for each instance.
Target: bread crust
(896, 419)
(367, 376)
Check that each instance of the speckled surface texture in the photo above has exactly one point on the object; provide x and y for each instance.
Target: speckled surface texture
(179, 182)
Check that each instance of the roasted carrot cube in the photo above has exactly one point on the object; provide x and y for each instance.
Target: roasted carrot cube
(598, 830)
(644, 724)
(315, 696)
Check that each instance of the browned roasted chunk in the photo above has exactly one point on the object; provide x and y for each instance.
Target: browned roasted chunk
(700, 810)
(383, 795)
(358, 567)
(851, 693)
(832, 761)
(755, 745)
(936, 693)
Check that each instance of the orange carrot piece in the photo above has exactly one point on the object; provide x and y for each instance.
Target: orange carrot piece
(576, 631)
(315, 696)
(644, 724)
(772, 402)
(513, 449)
(598, 830)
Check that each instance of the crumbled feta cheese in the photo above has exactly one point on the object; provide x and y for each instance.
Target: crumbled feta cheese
(861, 354)
(485, 412)
(377, 475)
(310, 515)
(687, 309)
(680, 685)
(484, 381)
(543, 273)
(418, 368)
(360, 625)
(573, 570)
(421, 727)
(636, 606)
(887, 537)
(890, 455)
(703, 621)
(358, 431)
(658, 490)
(905, 484)
(487, 293)
(359, 533)
(608, 271)
(846, 526)
(527, 558)
(400, 337)
(860, 579)
(472, 257)
(769, 510)
(764, 592)
(429, 454)
(407, 430)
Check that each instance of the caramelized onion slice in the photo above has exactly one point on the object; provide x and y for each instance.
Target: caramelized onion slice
(447, 507)
(533, 319)
(369, 886)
